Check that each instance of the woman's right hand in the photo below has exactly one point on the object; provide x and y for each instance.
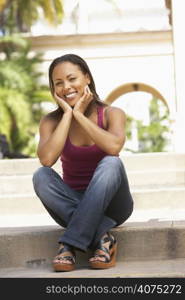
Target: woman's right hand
(62, 103)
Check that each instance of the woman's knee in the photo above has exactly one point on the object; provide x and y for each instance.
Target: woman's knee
(120, 213)
(111, 160)
(111, 163)
(111, 168)
(122, 218)
(40, 177)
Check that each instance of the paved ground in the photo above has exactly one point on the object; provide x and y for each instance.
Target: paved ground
(129, 269)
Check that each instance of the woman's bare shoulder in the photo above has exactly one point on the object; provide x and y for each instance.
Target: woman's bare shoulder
(50, 120)
(113, 111)
(52, 117)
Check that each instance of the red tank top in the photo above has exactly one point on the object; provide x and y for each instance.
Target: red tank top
(79, 162)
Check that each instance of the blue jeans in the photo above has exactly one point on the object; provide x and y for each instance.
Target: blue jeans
(87, 214)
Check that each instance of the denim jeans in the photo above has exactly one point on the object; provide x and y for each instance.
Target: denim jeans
(87, 214)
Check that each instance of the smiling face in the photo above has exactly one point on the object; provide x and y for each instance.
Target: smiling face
(69, 82)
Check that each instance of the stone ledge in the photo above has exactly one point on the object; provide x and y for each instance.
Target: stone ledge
(132, 269)
(22, 247)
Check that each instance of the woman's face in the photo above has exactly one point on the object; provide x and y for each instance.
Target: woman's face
(69, 82)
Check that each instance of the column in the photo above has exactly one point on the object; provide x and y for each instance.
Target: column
(178, 21)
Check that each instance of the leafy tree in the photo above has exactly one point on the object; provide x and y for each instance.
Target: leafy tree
(21, 94)
(153, 138)
(19, 15)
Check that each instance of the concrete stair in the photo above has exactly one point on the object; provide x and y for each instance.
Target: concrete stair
(148, 249)
(157, 180)
(151, 241)
(173, 268)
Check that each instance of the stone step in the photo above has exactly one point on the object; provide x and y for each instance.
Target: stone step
(22, 184)
(170, 177)
(44, 219)
(171, 268)
(154, 161)
(138, 241)
(159, 198)
(144, 199)
(15, 204)
(134, 162)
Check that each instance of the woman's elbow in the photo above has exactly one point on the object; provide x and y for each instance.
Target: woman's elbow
(115, 150)
(46, 161)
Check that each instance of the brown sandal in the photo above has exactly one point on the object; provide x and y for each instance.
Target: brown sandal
(59, 266)
(109, 262)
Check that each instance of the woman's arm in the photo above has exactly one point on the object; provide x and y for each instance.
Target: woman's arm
(111, 140)
(52, 138)
(53, 134)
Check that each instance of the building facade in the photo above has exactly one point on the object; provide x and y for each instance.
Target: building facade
(149, 59)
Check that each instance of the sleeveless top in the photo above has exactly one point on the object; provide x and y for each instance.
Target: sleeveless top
(80, 162)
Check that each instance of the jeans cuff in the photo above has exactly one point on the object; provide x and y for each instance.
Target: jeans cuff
(73, 243)
(106, 224)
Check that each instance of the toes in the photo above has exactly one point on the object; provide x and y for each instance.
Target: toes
(62, 261)
(97, 259)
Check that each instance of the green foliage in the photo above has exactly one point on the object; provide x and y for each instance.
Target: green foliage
(152, 138)
(19, 15)
(129, 123)
(21, 96)
(15, 117)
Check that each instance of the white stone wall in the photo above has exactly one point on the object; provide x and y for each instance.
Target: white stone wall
(116, 59)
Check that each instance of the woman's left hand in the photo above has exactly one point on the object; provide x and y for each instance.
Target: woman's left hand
(84, 101)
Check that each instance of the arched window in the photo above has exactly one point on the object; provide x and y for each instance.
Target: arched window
(148, 125)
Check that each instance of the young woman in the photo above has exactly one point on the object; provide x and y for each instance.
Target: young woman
(93, 194)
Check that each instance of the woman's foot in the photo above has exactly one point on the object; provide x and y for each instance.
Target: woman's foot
(105, 254)
(65, 259)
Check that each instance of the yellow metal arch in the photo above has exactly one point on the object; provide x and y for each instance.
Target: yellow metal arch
(133, 87)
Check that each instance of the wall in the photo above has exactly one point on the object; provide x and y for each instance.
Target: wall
(118, 58)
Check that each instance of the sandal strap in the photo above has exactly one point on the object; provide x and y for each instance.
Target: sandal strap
(103, 249)
(104, 240)
(112, 240)
(66, 248)
(67, 257)
(107, 259)
(109, 238)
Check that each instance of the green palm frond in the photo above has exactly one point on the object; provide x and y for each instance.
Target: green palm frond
(2, 4)
(21, 96)
(15, 117)
(23, 13)
(53, 10)
(5, 119)
(59, 11)
(10, 44)
(20, 109)
(20, 15)
(12, 77)
(42, 96)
